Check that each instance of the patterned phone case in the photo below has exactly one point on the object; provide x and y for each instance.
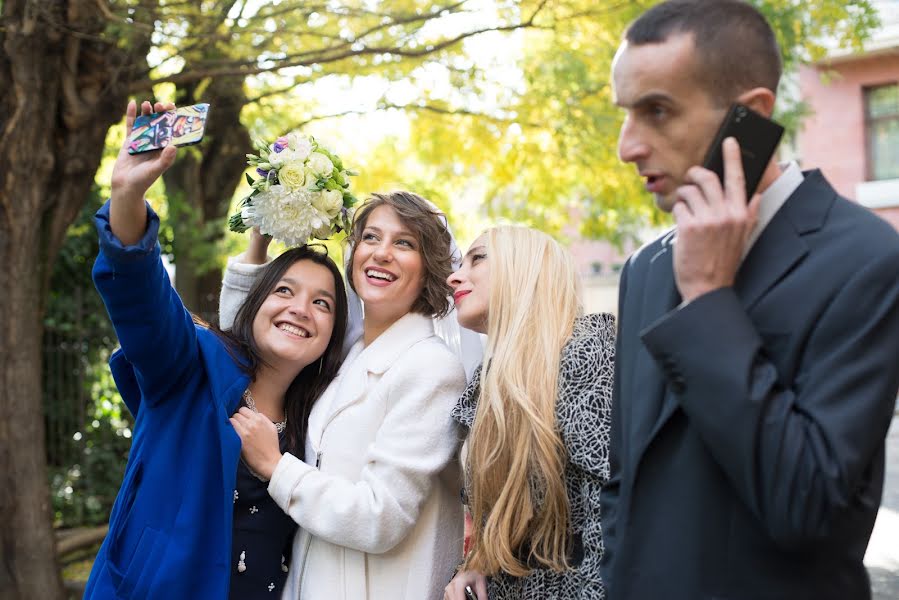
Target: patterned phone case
(182, 127)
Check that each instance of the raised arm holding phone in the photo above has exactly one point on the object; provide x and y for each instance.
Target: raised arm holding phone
(191, 519)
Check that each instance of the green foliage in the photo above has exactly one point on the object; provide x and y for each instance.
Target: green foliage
(548, 147)
(511, 97)
(87, 425)
(84, 490)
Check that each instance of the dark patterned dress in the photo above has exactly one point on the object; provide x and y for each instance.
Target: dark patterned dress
(262, 538)
(583, 416)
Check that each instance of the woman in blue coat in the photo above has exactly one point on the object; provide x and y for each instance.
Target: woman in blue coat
(191, 520)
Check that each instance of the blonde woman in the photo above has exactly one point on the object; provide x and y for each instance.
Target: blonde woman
(538, 416)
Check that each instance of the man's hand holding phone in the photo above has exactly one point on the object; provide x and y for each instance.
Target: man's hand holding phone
(713, 226)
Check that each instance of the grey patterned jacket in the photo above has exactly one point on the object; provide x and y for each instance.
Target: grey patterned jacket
(583, 416)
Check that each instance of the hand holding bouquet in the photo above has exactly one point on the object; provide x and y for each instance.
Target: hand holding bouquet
(302, 192)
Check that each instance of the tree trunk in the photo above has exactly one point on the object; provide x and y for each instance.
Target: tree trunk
(200, 186)
(62, 89)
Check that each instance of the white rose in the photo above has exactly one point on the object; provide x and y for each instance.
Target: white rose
(328, 202)
(320, 164)
(300, 145)
(246, 215)
(276, 159)
(292, 175)
(311, 180)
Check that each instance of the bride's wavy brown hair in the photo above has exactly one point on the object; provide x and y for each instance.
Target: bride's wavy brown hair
(516, 457)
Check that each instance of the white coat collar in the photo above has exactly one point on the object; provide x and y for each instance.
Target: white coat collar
(352, 381)
(399, 337)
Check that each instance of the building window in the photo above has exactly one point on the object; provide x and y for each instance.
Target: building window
(882, 128)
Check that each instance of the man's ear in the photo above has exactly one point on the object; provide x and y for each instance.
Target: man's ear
(759, 99)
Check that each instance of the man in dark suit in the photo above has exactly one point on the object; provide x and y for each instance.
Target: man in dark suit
(758, 350)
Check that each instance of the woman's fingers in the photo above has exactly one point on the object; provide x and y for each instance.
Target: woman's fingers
(130, 115)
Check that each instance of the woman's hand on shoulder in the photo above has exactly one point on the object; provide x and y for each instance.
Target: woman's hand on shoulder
(455, 590)
(259, 441)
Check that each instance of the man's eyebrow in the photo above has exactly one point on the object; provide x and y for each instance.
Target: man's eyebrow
(650, 98)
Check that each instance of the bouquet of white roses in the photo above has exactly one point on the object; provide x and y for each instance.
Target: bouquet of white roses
(302, 192)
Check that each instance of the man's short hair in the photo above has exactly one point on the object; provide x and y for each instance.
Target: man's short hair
(736, 49)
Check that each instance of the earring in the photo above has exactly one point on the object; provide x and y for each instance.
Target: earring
(241, 565)
(283, 566)
(321, 362)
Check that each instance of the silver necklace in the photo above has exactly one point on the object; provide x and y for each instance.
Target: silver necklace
(251, 404)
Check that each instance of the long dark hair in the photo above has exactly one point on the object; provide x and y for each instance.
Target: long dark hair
(315, 377)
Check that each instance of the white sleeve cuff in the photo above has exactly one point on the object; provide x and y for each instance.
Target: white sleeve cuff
(286, 476)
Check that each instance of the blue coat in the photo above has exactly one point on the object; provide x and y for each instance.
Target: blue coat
(170, 528)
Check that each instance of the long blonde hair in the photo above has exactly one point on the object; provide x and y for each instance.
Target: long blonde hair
(516, 457)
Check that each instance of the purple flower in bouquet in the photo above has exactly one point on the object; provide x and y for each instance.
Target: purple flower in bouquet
(280, 144)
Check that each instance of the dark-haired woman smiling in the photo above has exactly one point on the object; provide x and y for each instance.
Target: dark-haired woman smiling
(190, 520)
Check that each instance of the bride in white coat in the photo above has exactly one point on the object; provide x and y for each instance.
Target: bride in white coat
(376, 495)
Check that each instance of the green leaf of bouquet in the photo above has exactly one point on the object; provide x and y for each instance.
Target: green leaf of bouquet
(236, 224)
(335, 160)
(249, 179)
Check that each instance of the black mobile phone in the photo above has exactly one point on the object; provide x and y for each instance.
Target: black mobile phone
(469, 593)
(182, 127)
(758, 137)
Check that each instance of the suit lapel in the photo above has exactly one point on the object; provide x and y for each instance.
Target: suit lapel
(776, 251)
(660, 298)
(781, 247)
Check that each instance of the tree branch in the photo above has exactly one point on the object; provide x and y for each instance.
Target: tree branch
(461, 112)
(324, 56)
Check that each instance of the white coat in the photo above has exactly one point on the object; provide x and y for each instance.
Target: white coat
(381, 516)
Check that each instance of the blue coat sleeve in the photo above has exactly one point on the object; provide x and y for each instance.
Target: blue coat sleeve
(156, 332)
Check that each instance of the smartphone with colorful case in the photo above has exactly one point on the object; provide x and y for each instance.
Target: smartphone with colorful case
(182, 127)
